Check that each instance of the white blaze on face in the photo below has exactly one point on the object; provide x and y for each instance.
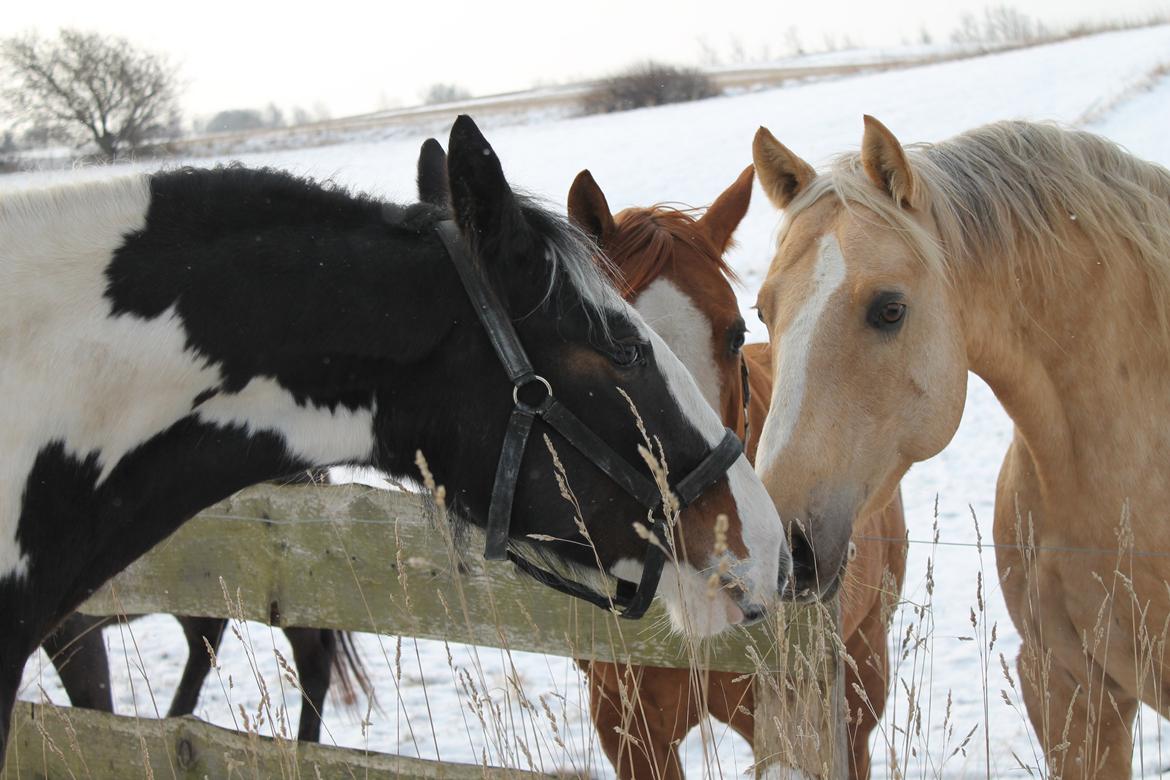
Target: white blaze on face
(795, 350)
(686, 330)
(760, 526)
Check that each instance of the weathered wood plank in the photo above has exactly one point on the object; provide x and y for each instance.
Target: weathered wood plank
(60, 742)
(354, 558)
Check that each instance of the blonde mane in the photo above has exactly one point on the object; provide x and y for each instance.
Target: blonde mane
(1035, 196)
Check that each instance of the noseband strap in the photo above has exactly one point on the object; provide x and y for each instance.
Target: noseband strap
(533, 397)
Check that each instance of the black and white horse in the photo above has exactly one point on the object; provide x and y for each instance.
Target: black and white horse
(167, 340)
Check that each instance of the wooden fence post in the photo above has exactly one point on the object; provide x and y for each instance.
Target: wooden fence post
(800, 718)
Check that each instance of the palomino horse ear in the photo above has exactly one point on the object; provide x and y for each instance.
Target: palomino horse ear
(782, 174)
(432, 175)
(724, 215)
(481, 200)
(885, 163)
(589, 210)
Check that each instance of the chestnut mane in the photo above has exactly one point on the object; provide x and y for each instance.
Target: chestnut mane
(644, 246)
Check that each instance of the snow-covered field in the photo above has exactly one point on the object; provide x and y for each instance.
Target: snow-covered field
(689, 153)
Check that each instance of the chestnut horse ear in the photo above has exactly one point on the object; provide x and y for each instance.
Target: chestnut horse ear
(885, 163)
(589, 210)
(432, 175)
(782, 174)
(481, 200)
(724, 215)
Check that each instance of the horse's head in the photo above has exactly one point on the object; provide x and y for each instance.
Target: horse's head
(669, 264)
(601, 362)
(871, 372)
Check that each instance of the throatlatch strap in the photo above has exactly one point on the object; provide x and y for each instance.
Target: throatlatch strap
(504, 490)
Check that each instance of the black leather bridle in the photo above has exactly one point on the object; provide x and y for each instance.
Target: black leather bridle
(630, 600)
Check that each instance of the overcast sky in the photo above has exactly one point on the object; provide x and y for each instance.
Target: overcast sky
(353, 57)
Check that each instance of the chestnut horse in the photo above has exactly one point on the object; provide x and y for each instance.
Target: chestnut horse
(1039, 258)
(669, 264)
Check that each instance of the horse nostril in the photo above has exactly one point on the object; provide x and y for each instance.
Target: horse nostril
(804, 563)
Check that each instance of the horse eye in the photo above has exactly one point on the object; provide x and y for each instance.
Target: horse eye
(887, 312)
(627, 355)
(737, 338)
(892, 312)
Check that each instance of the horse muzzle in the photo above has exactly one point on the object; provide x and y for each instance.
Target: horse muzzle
(820, 553)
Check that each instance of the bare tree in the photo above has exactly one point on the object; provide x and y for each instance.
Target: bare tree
(273, 116)
(792, 41)
(301, 115)
(91, 87)
(737, 53)
(1005, 24)
(1001, 24)
(708, 54)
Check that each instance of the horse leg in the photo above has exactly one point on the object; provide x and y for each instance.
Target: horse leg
(313, 652)
(200, 633)
(731, 700)
(1080, 715)
(640, 736)
(10, 675)
(1085, 732)
(78, 651)
(15, 648)
(866, 688)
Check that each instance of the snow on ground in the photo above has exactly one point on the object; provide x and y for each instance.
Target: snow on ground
(689, 153)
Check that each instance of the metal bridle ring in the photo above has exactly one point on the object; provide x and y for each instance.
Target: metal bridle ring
(524, 404)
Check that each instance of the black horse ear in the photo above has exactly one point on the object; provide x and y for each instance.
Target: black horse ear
(589, 210)
(481, 200)
(432, 175)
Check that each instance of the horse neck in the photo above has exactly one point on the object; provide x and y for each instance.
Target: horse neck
(1079, 363)
(759, 362)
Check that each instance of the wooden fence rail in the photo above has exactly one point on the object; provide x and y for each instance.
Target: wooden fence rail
(354, 558)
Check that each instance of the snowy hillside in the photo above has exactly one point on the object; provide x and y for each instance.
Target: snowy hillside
(689, 153)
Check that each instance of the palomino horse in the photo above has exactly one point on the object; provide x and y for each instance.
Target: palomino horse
(900, 270)
(167, 340)
(669, 264)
